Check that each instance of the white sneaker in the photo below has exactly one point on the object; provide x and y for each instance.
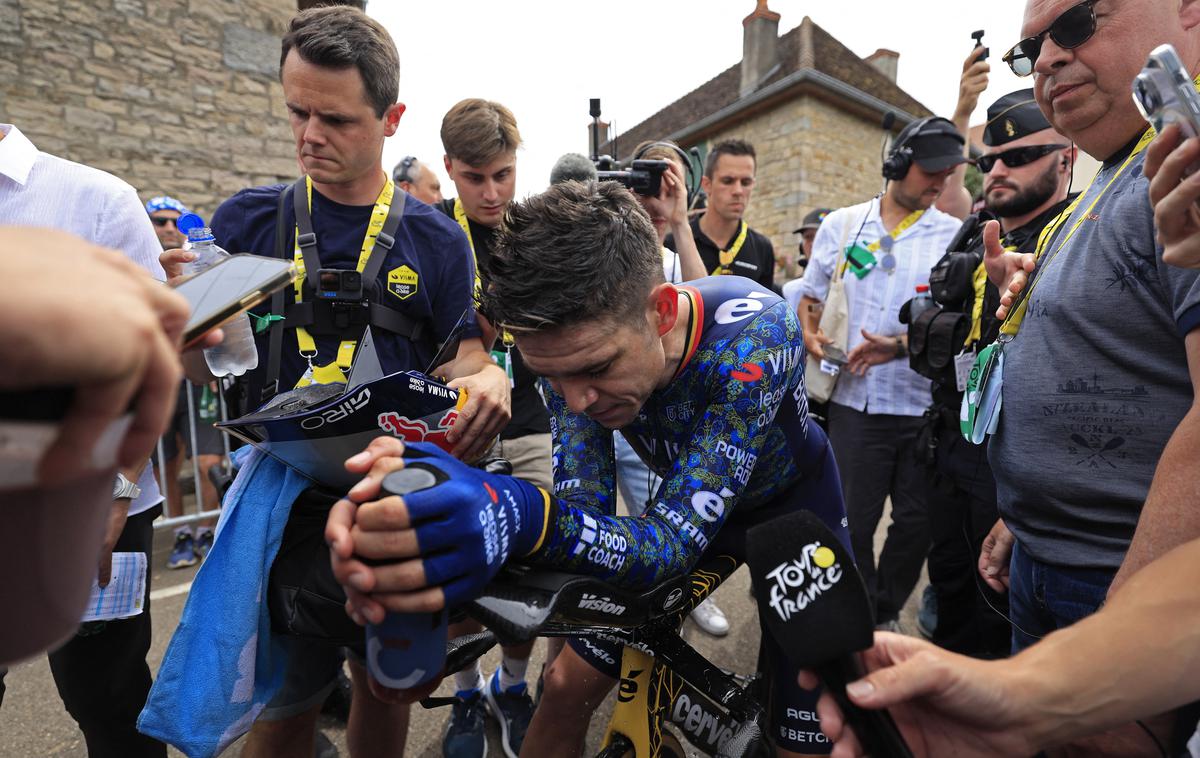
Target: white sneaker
(710, 618)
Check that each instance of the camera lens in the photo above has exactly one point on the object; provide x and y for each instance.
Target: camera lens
(1146, 97)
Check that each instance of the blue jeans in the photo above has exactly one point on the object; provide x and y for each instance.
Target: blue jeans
(1043, 597)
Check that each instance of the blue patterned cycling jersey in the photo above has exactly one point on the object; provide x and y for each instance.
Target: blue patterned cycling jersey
(730, 435)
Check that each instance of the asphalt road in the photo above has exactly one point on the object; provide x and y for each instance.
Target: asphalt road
(33, 722)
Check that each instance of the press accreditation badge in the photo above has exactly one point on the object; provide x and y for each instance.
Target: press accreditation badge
(503, 359)
(830, 368)
(982, 397)
(962, 368)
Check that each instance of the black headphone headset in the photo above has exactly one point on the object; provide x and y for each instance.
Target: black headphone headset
(693, 183)
(900, 158)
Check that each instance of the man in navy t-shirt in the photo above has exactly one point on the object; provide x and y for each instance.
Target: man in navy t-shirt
(340, 74)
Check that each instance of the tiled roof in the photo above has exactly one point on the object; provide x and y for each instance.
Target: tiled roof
(807, 47)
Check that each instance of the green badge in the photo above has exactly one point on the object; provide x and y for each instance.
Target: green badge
(861, 260)
(504, 361)
(980, 412)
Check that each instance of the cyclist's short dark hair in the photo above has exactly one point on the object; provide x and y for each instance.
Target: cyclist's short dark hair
(577, 252)
(339, 36)
(727, 147)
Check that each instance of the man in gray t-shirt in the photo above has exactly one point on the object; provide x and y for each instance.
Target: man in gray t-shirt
(1096, 380)
(1094, 458)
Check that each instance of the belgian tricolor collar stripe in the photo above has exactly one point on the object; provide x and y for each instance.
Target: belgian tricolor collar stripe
(695, 326)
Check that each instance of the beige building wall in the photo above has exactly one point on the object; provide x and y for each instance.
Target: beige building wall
(177, 97)
(810, 154)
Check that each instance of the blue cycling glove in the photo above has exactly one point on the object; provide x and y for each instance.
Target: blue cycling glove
(468, 522)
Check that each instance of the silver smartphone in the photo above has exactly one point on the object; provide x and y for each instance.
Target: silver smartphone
(1165, 94)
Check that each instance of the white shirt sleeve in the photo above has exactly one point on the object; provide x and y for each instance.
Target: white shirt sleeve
(124, 226)
(825, 253)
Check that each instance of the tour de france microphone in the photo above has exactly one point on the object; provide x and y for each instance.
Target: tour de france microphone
(816, 607)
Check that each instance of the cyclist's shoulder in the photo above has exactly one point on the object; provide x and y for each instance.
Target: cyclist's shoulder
(725, 305)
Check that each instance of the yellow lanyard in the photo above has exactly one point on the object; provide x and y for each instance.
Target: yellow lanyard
(460, 215)
(336, 371)
(727, 256)
(980, 285)
(1013, 323)
(908, 221)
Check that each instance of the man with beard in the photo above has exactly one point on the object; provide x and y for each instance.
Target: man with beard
(1027, 173)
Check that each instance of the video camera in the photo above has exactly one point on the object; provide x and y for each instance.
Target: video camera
(643, 176)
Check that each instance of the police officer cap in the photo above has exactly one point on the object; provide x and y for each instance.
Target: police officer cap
(1012, 117)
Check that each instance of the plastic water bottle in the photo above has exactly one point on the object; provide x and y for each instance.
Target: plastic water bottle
(237, 353)
(921, 302)
(407, 649)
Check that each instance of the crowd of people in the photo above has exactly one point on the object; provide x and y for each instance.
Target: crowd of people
(616, 342)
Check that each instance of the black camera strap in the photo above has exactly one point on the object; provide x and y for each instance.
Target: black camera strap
(282, 238)
(301, 315)
(307, 238)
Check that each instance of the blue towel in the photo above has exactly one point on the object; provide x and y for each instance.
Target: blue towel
(218, 674)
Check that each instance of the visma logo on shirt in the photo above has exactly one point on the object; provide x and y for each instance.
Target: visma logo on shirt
(798, 583)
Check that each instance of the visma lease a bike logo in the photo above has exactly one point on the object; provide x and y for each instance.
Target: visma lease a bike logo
(797, 583)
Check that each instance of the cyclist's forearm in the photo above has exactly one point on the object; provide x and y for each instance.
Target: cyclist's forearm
(627, 551)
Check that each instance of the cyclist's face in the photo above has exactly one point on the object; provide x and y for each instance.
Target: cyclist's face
(600, 368)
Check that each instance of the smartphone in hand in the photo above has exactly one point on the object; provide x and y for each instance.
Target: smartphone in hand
(232, 286)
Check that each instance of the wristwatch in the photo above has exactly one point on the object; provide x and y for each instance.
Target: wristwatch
(901, 348)
(123, 489)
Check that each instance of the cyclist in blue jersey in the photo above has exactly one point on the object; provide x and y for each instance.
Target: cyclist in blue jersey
(706, 380)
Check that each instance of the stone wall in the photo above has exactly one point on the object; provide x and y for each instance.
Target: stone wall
(177, 97)
(810, 154)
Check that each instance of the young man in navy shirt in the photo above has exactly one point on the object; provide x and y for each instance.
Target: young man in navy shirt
(340, 74)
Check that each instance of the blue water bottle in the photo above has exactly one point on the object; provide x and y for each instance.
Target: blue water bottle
(407, 649)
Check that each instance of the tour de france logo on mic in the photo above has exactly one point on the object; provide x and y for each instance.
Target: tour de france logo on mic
(799, 582)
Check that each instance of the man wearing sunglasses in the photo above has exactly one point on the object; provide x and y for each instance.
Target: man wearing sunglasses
(886, 246)
(1027, 171)
(1099, 381)
(164, 211)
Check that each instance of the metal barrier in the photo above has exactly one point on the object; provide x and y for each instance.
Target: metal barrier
(164, 522)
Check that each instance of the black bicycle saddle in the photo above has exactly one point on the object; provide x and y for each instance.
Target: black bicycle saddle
(523, 602)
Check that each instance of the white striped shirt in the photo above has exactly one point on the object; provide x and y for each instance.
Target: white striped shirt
(39, 189)
(874, 301)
